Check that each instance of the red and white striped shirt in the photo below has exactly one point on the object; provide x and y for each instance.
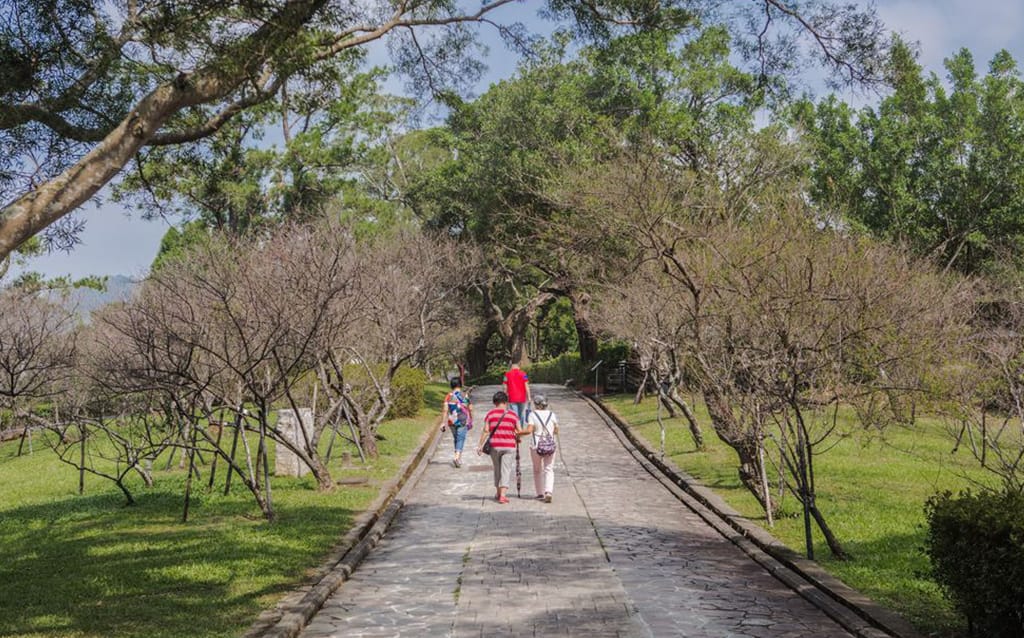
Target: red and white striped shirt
(506, 422)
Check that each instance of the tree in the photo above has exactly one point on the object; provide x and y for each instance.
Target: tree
(332, 126)
(780, 321)
(38, 345)
(639, 89)
(86, 88)
(983, 395)
(935, 169)
(411, 303)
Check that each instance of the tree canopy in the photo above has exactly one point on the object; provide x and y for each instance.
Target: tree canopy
(86, 87)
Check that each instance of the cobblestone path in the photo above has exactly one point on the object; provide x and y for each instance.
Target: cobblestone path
(615, 554)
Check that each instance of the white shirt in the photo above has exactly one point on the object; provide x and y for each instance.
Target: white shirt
(537, 418)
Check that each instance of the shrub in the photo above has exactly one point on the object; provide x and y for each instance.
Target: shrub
(407, 388)
(568, 365)
(558, 370)
(976, 546)
(407, 393)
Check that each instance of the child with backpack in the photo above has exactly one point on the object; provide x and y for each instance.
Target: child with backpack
(457, 415)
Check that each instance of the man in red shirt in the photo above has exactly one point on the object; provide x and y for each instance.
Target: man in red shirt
(517, 386)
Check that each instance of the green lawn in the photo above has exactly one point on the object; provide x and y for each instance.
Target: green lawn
(871, 487)
(76, 566)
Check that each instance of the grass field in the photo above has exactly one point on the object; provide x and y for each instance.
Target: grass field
(871, 487)
(77, 566)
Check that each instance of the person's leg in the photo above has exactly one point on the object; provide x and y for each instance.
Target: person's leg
(459, 432)
(538, 472)
(549, 475)
(507, 459)
(520, 410)
(496, 463)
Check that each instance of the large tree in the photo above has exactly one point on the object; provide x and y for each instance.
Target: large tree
(85, 86)
(937, 165)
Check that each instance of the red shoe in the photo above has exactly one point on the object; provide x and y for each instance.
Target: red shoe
(503, 499)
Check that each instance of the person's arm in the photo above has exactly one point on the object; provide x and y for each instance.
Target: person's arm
(483, 436)
(444, 413)
(529, 427)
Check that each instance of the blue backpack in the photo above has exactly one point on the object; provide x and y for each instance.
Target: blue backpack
(458, 411)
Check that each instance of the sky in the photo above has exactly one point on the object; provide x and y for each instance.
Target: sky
(118, 242)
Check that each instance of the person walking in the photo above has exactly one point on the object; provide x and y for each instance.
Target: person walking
(456, 414)
(542, 424)
(516, 385)
(499, 435)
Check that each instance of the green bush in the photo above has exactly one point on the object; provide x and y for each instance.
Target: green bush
(491, 377)
(407, 393)
(568, 365)
(406, 388)
(976, 546)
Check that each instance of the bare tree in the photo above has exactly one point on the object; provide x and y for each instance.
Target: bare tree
(781, 321)
(984, 392)
(38, 342)
(412, 290)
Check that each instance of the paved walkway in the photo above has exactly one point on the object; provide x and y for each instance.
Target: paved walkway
(615, 554)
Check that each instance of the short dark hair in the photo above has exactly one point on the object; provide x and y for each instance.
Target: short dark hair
(456, 383)
(500, 397)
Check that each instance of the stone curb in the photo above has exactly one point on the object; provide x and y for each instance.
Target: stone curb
(853, 610)
(293, 613)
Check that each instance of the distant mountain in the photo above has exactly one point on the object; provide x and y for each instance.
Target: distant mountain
(86, 300)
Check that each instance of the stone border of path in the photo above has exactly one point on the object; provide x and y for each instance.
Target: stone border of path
(293, 613)
(853, 610)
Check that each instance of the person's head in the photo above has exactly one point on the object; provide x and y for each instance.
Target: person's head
(540, 402)
(500, 398)
(515, 364)
(456, 383)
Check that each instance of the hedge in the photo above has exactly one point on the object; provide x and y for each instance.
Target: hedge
(976, 546)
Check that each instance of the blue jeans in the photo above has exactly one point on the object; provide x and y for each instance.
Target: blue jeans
(520, 409)
(459, 435)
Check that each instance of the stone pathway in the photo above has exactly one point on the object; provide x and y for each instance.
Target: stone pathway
(615, 554)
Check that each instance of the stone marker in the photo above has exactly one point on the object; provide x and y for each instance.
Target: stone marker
(286, 462)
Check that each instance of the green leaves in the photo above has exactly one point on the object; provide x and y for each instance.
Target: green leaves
(938, 169)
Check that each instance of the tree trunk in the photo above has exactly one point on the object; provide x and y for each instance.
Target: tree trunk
(368, 441)
(640, 390)
(664, 402)
(517, 345)
(830, 538)
(31, 213)
(691, 419)
(129, 499)
(324, 482)
(476, 352)
(585, 333)
(743, 442)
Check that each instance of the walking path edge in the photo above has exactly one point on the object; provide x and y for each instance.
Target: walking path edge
(293, 612)
(849, 607)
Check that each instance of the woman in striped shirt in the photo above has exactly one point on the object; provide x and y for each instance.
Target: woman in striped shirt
(504, 424)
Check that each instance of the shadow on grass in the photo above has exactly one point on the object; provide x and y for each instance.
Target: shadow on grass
(901, 582)
(85, 566)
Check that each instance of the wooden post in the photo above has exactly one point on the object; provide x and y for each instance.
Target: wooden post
(213, 464)
(234, 446)
(81, 464)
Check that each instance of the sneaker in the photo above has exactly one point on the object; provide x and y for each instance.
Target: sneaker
(540, 497)
(547, 497)
(503, 500)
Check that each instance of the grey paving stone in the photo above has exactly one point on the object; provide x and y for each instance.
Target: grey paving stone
(614, 555)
